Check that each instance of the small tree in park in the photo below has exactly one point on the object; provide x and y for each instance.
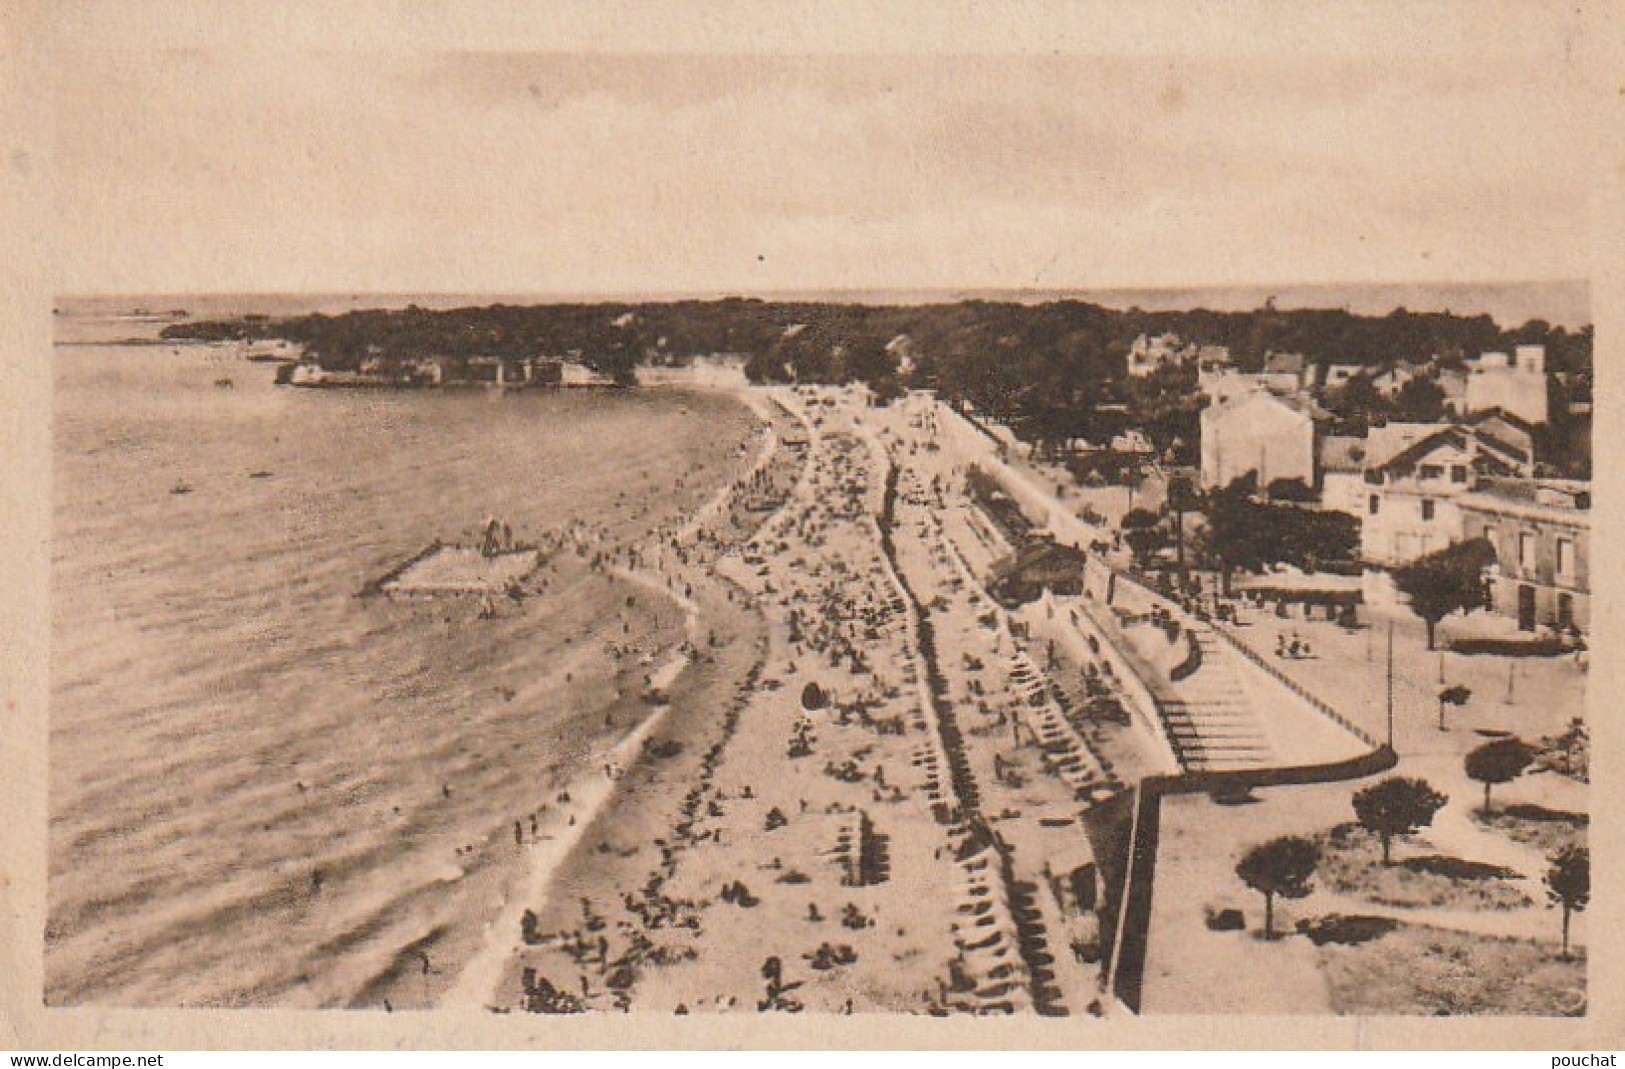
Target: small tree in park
(1500, 761)
(1142, 534)
(1456, 695)
(1399, 805)
(1568, 884)
(1232, 537)
(1279, 867)
(1138, 519)
(1449, 580)
(1445, 582)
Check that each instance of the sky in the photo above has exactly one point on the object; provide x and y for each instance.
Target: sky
(461, 148)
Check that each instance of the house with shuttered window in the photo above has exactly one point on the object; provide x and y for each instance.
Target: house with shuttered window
(1541, 531)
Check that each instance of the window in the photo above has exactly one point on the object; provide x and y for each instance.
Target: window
(1427, 509)
(1565, 556)
(1432, 471)
(1526, 550)
(1458, 473)
(1376, 504)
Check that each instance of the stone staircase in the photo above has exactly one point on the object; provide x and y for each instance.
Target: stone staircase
(1211, 724)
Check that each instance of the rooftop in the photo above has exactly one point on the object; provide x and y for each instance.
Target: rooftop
(1565, 501)
(1384, 443)
(1342, 453)
(1284, 363)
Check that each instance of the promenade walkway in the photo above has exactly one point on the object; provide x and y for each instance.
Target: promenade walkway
(1549, 691)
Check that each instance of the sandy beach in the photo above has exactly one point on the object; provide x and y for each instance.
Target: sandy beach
(833, 836)
(751, 734)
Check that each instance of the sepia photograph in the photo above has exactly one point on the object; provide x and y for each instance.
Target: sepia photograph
(1085, 516)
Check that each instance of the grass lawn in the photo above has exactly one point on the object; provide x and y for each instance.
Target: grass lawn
(1419, 970)
(1547, 830)
(1351, 864)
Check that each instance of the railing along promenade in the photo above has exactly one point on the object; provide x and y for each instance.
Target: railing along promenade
(1312, 700)
(1318, 704)
(1126, 965)
(1126, 978)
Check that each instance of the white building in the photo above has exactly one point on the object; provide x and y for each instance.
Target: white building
(1452, 382)
(1132, 442)
(1223, 384)
(1411, 497)
(1390, 381)
(1345, 460)
(574, 374)
(1515, 384)
(1338, 375)
(1261, 432)
(1148, 354)
(1342, 473)
(902, 348)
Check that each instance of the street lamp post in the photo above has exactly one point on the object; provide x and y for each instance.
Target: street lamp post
(1390, 684)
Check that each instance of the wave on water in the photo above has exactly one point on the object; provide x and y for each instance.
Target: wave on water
(266, 790)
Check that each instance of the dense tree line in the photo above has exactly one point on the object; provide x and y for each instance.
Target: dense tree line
(1044, 368)
(1246, 533)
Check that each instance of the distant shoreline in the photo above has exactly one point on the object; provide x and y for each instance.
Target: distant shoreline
(1562, 302)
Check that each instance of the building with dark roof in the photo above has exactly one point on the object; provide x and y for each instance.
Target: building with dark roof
(1410, 495)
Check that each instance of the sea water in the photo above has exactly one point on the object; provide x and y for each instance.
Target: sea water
(264, 788)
